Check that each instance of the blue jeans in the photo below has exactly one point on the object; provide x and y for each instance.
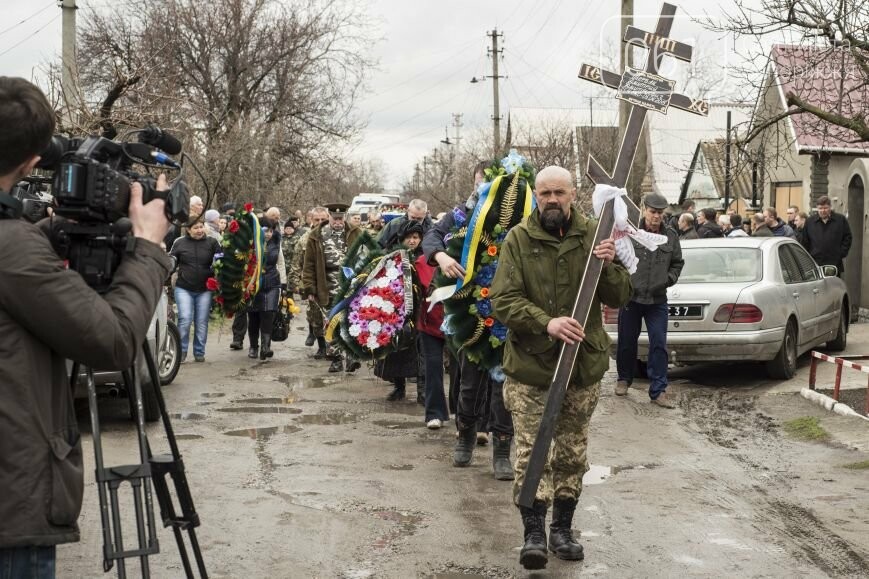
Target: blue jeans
(193, 308)
(27, 562)
(631, 319)
(433, 356)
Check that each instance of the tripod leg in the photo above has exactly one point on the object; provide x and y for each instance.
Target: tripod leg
(98, 460)
(116, 523)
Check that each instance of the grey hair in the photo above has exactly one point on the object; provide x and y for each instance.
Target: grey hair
(418, 204)
(687, 218)
(724, 220)
(554, 172)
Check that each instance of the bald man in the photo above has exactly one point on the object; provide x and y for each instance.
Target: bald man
(541, 265)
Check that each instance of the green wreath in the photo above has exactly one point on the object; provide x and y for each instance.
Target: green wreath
(238, 270)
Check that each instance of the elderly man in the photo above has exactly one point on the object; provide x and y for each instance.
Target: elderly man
(375, 223)
(729, 228)
(759, 228)
(656, 271)
(827, 236)
(321, 274)
(541, 265)
(315, 218)
(417, 210)
(686, 227)
(273, 214)
(212, 224)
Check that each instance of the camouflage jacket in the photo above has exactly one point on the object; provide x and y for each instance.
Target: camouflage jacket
(318, 263)
(294, 277)
(538, 279)
(288, 246)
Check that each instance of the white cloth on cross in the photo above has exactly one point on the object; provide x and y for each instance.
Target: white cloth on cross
(623, 231)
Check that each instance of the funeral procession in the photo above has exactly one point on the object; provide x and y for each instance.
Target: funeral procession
(398, 289)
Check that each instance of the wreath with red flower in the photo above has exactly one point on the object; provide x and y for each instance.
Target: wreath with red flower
(238, 269)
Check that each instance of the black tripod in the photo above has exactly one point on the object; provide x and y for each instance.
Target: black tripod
(140, 476)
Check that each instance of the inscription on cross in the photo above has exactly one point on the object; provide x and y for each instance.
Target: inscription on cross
(645, 90)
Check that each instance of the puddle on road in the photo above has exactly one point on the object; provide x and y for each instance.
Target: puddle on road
(398, 467)
(188, 416)
(396, 424)
(261, 410)
(598, 474)
(285, 400)
(205, 403)
(406, 524)
(188, 436)
(300, 383)
(264, 433)
(213, 394)
(329, 419)
(399, 408)
(338, 442)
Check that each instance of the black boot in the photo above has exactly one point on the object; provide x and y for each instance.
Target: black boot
(533, 553)
(561, 541)
(309, 341)
(501, 457)
(235, 345)
(266, 348)
(464, 450)
(396, 394)
(253, 352)
(321, 353)
(352, 365)
(337, 365)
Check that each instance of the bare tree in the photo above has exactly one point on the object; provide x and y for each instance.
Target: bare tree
(262, 92)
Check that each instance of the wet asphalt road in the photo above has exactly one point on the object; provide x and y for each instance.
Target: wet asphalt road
(300, 473)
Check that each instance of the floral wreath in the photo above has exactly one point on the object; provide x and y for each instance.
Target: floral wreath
(238, 269)
(373, 312)
(475, 241)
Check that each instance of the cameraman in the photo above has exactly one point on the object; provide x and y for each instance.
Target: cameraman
(49, 314)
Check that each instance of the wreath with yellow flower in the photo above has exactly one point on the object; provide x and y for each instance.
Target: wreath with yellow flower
(238, 270)
(505, 199)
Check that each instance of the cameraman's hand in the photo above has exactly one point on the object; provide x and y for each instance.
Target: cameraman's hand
(149, 221)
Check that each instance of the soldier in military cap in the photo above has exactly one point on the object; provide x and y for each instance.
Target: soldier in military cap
(321, 274)
(656, 271)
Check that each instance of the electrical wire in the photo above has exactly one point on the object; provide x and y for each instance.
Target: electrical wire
(26, 38)
(37, 13)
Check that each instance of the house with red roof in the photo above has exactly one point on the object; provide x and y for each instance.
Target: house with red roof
(804, 156)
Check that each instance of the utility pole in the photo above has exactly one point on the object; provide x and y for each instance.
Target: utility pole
(727, 167)
(495, 53)
(69, 70)
(625, 61)
(457, 125)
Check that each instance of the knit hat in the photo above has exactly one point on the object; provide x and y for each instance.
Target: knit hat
(212, 216)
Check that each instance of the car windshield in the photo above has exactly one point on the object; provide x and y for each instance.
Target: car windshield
(721, 265)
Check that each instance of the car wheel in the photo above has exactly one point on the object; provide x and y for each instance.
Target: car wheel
(170, 356)
(784, 365)
(841, 340)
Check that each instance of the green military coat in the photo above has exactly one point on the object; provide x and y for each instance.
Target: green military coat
(538, 279)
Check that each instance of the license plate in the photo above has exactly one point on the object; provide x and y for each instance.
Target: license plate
(684, 311)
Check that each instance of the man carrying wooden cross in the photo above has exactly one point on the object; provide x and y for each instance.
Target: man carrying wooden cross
(542, 263)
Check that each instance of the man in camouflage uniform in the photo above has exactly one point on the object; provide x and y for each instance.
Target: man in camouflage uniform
(541, 265)
(321, 274)
(316, 217)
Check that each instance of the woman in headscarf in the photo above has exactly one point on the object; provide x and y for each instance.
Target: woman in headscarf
(262, 312)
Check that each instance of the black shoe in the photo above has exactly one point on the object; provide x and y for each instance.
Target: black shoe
(353, 365)
(321, 353)
(253, 352)
(464, 450)
(396, 394)
(309, 341)
(337, 365)
(501, 457)
(235, 346)
(561, 541)
(420, 397)
(266, 348)
(533, 553)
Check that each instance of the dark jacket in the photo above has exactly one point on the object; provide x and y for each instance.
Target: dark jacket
(195, 257)
(274, 270)
(49, 314)
(830, 242)
(314, 266)
(690, 233)
(434, 239)
(538, 279)
(657, 270)
(709, 230)
(762, 231)
(389, 234)
(782, 229)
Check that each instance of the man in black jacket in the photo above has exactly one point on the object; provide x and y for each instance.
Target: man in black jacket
(417, 210)
(656, 271)
(49, 314)
(707, 226)
(827, 236)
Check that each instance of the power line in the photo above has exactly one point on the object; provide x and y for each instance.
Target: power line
(26, 38)
(37, 13)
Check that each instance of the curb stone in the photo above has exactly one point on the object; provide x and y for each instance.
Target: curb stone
(830, 405)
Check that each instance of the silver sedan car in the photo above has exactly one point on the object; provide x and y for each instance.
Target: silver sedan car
(760, 299)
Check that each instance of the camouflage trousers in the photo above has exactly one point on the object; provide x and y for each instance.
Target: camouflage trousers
(314, 315)
(562, 475)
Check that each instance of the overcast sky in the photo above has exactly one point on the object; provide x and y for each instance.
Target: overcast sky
(430, 51)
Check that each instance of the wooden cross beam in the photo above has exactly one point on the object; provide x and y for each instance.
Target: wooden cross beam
(657, 96)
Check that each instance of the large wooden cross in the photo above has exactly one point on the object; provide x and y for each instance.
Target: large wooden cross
(645, 91)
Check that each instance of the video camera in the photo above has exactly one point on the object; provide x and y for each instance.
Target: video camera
(91, 184)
